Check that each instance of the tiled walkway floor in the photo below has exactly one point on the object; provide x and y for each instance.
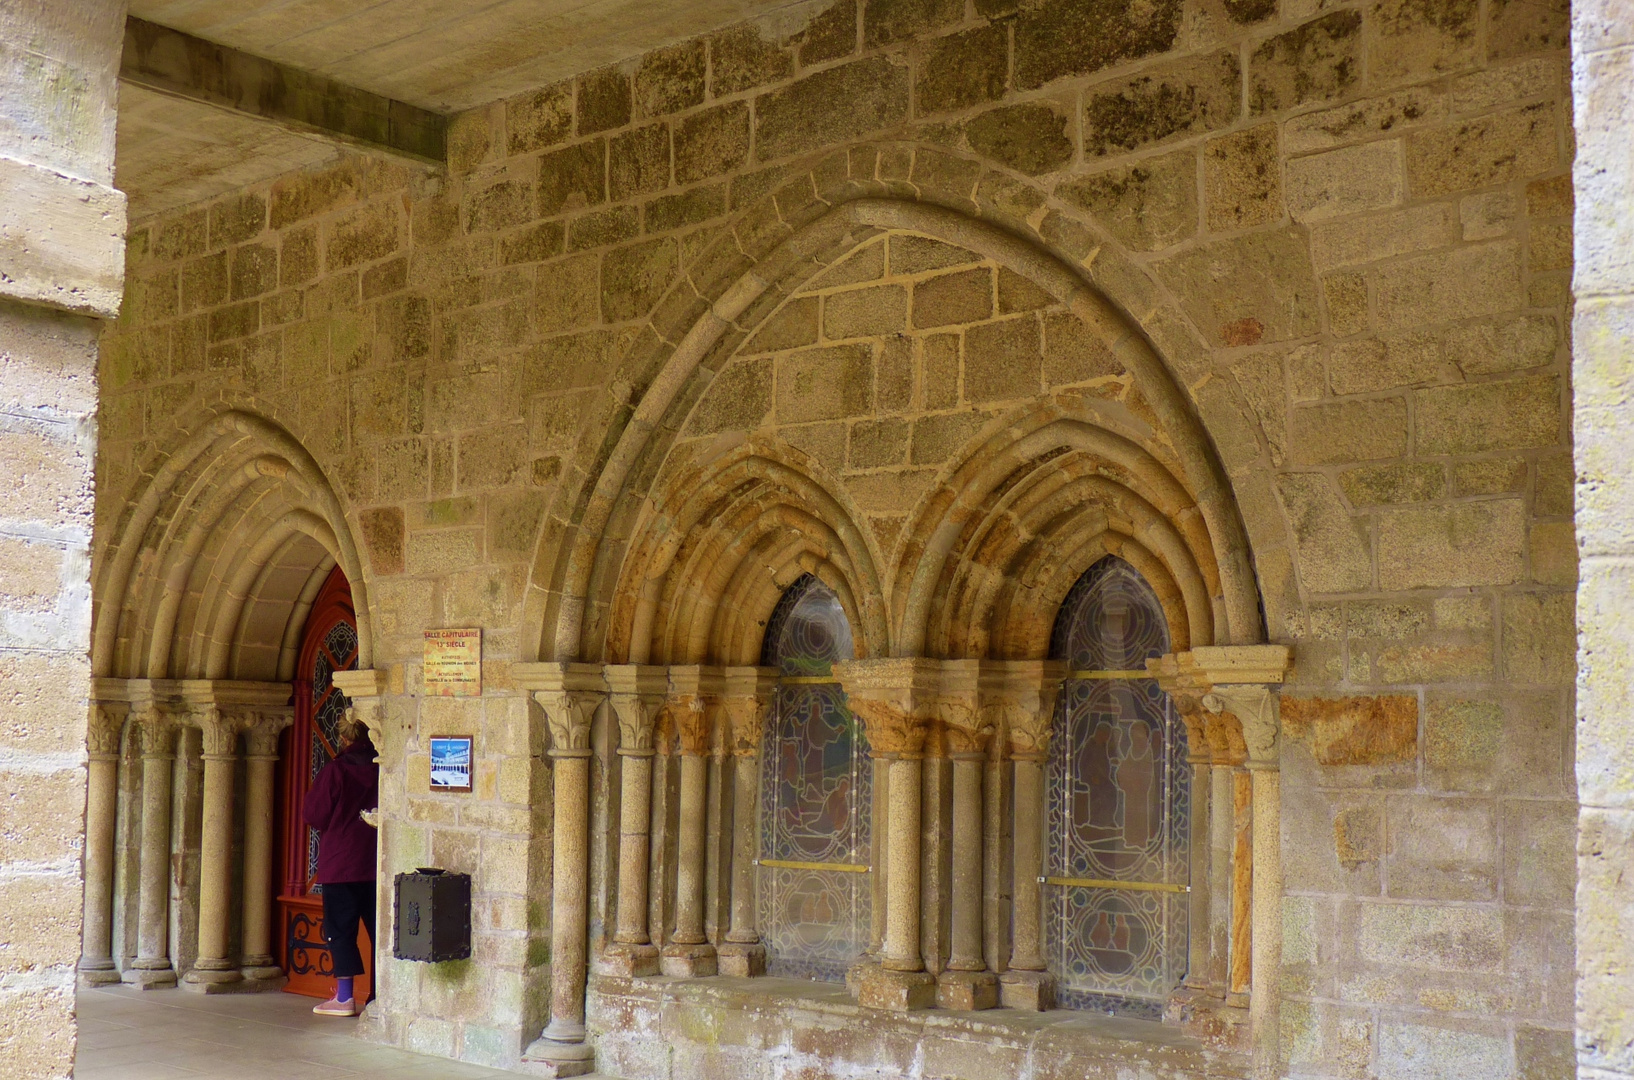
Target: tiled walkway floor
(158, 1034)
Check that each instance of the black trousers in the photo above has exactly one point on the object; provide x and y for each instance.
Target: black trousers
(344, 903)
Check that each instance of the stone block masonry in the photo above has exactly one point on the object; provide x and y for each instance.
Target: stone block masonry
(1603, 339)
(1340, 230)
(62, 228)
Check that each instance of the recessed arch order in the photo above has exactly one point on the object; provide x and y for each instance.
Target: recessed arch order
(211, 567)
(1054, 486)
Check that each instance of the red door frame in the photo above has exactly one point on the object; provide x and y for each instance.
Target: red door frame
(301, 951)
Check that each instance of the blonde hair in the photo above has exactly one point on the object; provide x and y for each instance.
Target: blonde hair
(350, 728)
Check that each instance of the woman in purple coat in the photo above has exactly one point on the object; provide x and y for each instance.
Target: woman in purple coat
(345, 788)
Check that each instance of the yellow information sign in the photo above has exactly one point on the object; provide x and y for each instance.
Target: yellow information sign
(453, 663)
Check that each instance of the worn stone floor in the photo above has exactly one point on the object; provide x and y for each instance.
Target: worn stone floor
(131, 1035)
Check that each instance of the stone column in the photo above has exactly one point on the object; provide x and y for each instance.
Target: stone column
(637, 693)
(1246, 683)
(569, 695)
(213, 967)
(749, 693)
(695, 705)
(107, 722)
(260, 760)
(1225, 750)
(1019, 697)
(965, 984)
(1185, 689)
(152, 968)
(1239, 967)
(894, 700)
(1256, 707)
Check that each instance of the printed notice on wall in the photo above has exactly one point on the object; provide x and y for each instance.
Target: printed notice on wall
(453, 663)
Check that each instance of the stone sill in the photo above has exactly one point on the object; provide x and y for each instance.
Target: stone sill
(823, 1018)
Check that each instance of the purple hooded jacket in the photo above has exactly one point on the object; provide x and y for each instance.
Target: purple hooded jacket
(344, 787)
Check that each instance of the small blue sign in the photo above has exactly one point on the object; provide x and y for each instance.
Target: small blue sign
(451, 763)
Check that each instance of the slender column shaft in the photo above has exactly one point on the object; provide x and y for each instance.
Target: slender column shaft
(153, 883)
(1267, 932)
(902, 897)
(1027, 951)
(101, 804)
(215, 869)
(879, 886)
(1221, 841)
(1202, 881)
(995, 913)
(634, 845)
(746, 817)
(569, 903)
(689, 868)
(1242, 884)
(966, 936)
(258, 819)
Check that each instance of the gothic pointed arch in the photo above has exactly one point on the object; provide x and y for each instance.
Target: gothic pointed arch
(727, 531)
(823, 211)
(210, 570)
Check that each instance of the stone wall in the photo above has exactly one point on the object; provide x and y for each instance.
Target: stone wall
(1345, 229)
(61, 247)
(1603, 90)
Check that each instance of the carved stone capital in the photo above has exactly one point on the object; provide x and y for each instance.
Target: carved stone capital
(1257, 711)
(894, 698)
(155, 731)
(1018, 699)
(261, 739)
(569, 695)
(962, 725)
(104, 727)
(694, 706)
(637, 693)
(363, 688)
(747, 700)
(1186, 688)
(1231, 689)
(220, 728)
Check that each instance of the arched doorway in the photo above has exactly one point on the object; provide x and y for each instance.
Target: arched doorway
(1116, 810)
(328, 644)
(816, 786)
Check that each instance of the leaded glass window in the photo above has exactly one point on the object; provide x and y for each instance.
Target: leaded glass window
(815, 796)
(1117, 790)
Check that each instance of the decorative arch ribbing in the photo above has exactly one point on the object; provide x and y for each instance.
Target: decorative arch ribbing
(210, 569)
(777, 245)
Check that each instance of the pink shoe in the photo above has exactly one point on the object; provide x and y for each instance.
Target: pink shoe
(333, 1007)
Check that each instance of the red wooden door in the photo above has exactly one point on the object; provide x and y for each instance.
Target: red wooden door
(328, 645)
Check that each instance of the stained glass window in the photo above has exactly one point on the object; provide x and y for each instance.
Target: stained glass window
(1117, 790)
(815, 796)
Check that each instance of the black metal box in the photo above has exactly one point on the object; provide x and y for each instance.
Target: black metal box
(433, 915)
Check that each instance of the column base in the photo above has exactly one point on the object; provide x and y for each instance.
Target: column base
(688, 961)
(94, 973)
(212, 980)
(149, 978)
(260, 969)
(1030, 990)
(547, 1057)
(967, 991)
(1208, 1017)
(899, 991)
(742, 959)
(629, 961)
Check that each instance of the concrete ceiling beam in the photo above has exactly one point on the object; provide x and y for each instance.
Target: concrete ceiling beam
(185, 66)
